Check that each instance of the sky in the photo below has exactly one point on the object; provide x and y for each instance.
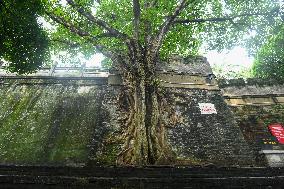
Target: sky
(95, 60)
(237, 57)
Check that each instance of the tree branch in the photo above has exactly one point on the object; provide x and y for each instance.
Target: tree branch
(136, 19)
(98, 1)
(221, 19)
(66, 42)
(102, 50)
(148, 23)
(132, 44)
(1, 63)
(81, 33)
(68, 25)
(154, 3)
(167, 23)
(97, 21)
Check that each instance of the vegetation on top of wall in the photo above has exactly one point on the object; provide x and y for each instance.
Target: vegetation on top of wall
(275, 114)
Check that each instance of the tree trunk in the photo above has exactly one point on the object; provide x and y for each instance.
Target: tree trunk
(157, 117)
(135, 147)
(145, 126)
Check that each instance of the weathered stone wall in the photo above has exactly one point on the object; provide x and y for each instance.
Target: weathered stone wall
(74, 120)
(47, 120)
(207, 139)
(252, 91)
(189, 65)
(256, 103)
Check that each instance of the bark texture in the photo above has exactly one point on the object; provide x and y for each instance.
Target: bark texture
(146, 115)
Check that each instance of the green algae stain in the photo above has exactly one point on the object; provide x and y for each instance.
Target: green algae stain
(69, 134)
(108, 154)
(45, 123)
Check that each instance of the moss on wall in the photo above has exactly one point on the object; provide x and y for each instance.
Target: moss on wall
(46, 123)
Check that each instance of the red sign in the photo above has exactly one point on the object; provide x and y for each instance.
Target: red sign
(277, 130)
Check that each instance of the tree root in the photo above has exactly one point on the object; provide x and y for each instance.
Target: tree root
(159, 117)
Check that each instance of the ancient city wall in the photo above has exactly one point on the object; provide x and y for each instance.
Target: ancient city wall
(48, 120)
(74, 120)
(256, 104)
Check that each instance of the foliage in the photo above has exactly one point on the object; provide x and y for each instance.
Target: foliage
(262, 32)
(228, 71)
(273, 115)
(267, 46)
(220, 24)
(269, 62)
(23, 43)
(244, 31)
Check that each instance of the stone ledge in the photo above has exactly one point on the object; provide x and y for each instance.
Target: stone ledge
(175, 81)
(272, 151)
(38, 80)
(240, 82)
(140, 177)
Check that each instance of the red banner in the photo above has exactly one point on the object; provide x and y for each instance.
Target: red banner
(277, 130)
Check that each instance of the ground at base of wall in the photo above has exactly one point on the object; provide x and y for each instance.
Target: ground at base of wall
(140, 177)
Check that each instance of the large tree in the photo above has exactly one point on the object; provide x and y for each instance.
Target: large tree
(136, 35)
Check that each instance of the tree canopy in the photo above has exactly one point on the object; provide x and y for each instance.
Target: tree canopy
(104, 26)
(218, 24)
(269, 59)
(23, 43)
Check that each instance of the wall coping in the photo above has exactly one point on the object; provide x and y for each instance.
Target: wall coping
(7, 80)
(241, 82)
(272, 151)
(174, 80)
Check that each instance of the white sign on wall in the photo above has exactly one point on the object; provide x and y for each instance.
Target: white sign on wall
(207, 108)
